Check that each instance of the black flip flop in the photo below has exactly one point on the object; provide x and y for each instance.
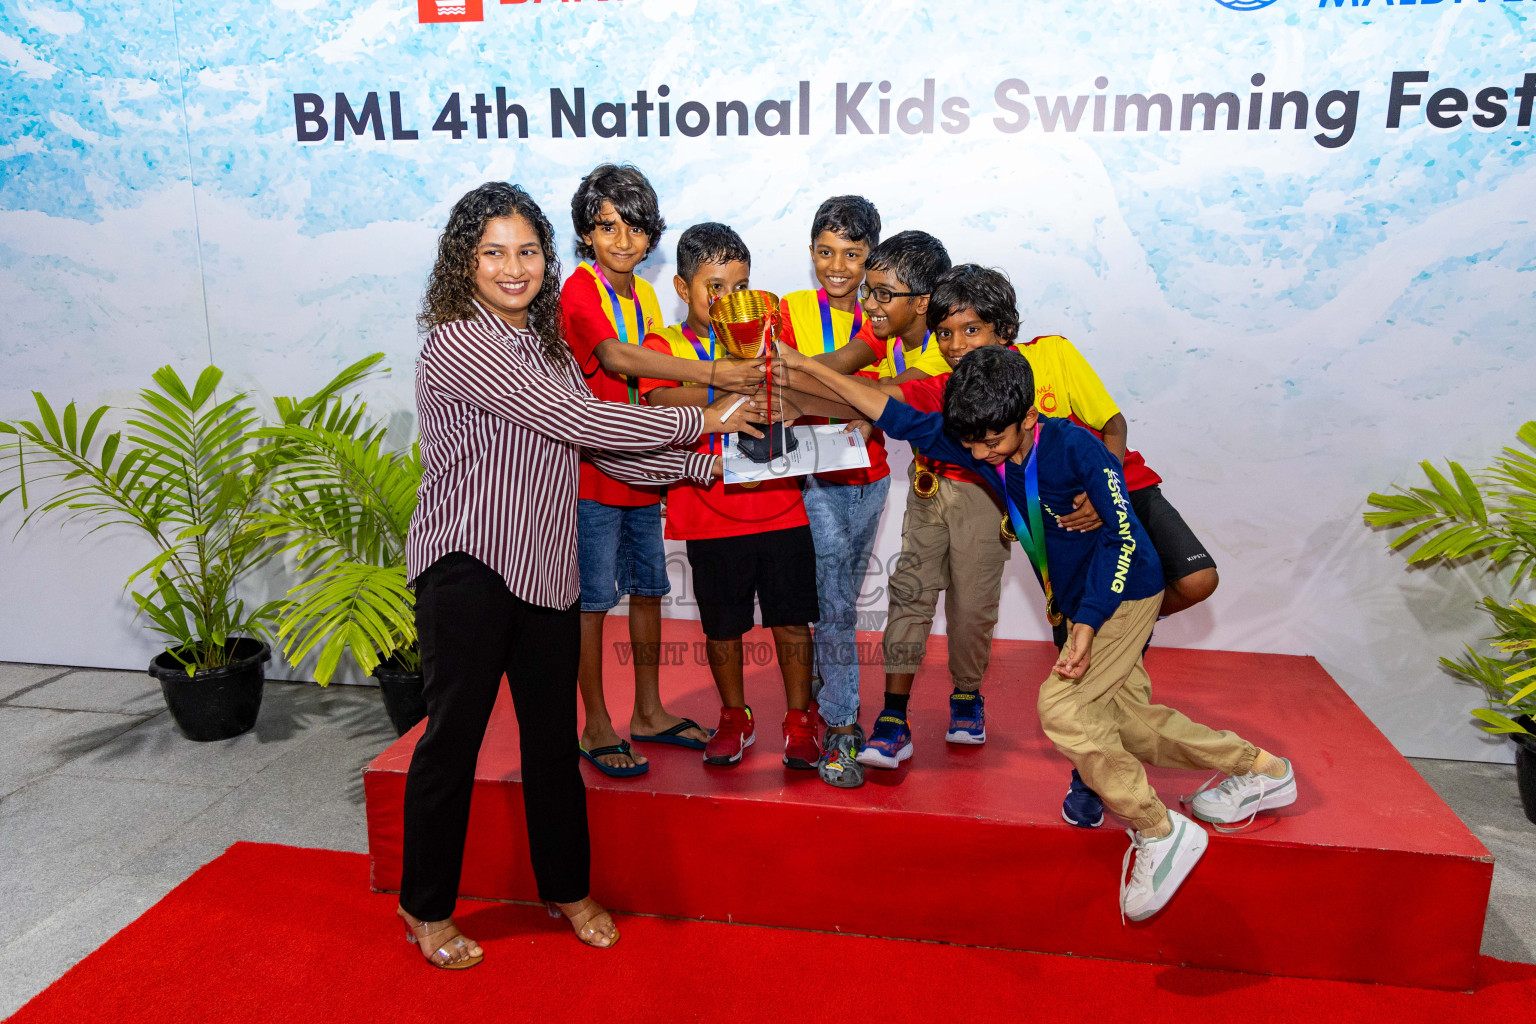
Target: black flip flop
(622, 747)
(674, 736)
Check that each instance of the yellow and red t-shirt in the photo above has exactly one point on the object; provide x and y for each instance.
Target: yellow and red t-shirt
(889, 363)
(804, 329)
(1065, 386)
(696, 512)
(589, 320)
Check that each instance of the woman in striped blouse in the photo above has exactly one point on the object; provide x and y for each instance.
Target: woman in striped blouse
(505, 417)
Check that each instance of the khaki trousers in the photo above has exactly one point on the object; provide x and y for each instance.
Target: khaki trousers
(950, 543)
(1106, 724)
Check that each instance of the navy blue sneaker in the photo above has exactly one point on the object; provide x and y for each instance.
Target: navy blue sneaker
(1082, 807)
(967, 719)
(889, 744)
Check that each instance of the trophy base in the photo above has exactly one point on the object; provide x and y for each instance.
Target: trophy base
(776, 441)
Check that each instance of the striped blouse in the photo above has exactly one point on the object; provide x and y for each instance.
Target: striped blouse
(503, 427)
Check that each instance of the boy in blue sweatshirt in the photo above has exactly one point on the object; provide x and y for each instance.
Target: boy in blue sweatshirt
(1107, 584)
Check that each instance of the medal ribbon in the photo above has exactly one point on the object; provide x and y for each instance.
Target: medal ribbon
(899, 353)
(703, 354)
(1032, 533)
(828, 342)
(622, 327)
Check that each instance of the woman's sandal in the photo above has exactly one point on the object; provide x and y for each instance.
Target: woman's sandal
(586, 921)
(451, 955)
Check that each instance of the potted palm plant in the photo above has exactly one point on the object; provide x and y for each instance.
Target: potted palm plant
(1459, 518)
(343, 501)
(186, 472)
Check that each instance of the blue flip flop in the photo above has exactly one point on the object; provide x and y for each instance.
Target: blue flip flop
(622, 747)
(674, 736)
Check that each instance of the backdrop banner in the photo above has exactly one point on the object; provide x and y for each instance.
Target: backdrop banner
(1294, 238)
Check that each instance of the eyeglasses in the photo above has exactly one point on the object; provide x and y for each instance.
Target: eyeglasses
(884, 294)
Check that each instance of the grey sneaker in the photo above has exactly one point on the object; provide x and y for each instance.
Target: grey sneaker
(1233, 805)
(839, 765)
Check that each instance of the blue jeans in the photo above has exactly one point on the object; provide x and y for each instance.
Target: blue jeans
(844, 519)
(619, 551)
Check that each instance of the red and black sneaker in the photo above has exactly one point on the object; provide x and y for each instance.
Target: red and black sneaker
(802, 740)
(731, 739)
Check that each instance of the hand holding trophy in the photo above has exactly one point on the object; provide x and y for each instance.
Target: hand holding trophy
(747, 324)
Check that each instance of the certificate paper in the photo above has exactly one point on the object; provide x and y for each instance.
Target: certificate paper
(823, 449)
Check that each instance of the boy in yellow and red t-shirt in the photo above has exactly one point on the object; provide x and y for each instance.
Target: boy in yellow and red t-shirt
(843, 507)
(744, 542)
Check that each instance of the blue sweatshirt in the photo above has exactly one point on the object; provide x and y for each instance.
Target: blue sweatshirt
(1091, 572)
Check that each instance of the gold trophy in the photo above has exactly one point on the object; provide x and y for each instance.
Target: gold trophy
(747, 324)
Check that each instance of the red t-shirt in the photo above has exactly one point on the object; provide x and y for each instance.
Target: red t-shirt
(879, 467)
(927, 395)
(586, 326)
(695, 512)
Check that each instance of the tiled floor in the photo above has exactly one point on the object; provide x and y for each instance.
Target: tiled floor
(104, 807)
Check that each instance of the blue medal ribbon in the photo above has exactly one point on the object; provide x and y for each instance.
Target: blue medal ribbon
(828, 341)
(709, 355)
(899, 353)
(1031, 533)
(622, 326)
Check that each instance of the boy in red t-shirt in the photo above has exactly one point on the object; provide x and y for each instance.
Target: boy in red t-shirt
(743, 542)
(608, 309)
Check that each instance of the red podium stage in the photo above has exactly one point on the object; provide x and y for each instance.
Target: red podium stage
(1368, 877)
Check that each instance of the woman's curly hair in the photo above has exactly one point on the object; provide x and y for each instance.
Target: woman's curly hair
(451, 288)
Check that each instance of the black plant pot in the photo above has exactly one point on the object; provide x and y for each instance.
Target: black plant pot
(1525, 766)
(403, 701)
(217, 703)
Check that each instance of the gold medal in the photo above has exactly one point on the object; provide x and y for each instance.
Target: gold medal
(1007, 529)
(1052, 613)
(926, 483)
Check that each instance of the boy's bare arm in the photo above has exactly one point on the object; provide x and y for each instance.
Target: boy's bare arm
(1115, 435)
(739, 375)
(855, 391)
(910, 374)
(851, 358)
(678, 396)
(805, 404)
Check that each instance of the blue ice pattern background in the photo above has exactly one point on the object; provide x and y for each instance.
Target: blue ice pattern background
(1287, 326)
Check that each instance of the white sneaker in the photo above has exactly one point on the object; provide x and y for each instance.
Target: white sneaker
(1161, 867)
(1240, 798)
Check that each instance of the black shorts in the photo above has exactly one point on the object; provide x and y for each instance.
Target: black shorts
(1177, 546)
(778, 568)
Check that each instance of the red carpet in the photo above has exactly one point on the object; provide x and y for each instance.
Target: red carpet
(271, 933)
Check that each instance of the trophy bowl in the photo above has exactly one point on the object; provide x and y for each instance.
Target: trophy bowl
(746, 323)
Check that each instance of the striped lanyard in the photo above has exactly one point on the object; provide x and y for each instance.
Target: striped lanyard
(704, 355)
(1031, 533)
(621, 326)
(828, 342)
(899, 353)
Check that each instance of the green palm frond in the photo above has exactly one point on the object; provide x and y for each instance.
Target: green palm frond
(1494, 518)
(341, 503)
(184, 468)
(351, 607)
